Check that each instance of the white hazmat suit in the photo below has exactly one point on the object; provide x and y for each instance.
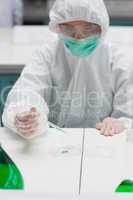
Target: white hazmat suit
(78, 92)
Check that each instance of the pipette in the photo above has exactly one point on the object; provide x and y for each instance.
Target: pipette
(55, 126)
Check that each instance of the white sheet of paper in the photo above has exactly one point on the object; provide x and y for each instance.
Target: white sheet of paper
(103, 165)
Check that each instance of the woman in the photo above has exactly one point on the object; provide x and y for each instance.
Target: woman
(80, 79)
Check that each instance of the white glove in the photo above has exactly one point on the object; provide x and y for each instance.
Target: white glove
(29, 124)
(110, 126)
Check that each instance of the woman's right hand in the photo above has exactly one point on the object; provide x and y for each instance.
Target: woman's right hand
(27, 123)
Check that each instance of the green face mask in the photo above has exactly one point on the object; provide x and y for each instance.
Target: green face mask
(82, 48)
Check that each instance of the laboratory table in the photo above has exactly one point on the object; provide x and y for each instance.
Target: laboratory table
(77, 164)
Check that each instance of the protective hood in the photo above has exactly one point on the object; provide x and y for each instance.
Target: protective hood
(87, 10)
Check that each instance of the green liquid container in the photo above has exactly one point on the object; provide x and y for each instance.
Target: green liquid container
(125, 186)
(10, 176)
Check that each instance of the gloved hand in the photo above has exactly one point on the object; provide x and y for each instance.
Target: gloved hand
(27, 123)
(110, 127)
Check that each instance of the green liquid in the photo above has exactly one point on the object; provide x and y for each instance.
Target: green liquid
(125, 186)
(10, 176)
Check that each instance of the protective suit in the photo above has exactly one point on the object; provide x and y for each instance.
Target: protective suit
(78, 92)
(50, 4)
(11, 13)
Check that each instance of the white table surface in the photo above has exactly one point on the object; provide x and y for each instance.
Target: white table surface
(18, 44)
(38, 196)
(50, 174)
(44, 166)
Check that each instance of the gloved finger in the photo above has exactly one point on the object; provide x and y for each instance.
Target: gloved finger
(119, 128)
(117, 131)
(107, 129)
(99, 125)
(29, 126)
(27, 132)
(103, 128)
(33, 109)
(25, 116)
(108, 119)
(112, 132)
(34, 112)
(26, 123)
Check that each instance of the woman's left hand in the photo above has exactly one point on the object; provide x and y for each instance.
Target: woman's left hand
(110, 127)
